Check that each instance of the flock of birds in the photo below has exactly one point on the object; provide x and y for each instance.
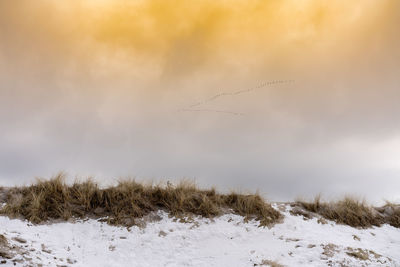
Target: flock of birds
(196, 107)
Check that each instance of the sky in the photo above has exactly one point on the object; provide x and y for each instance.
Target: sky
(291, 98)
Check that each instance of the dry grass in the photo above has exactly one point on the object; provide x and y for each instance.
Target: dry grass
(353, 212)
(391, 212)
(358, 253)
(269, 263)
(394, 218)
(5, 252)
(128, 201)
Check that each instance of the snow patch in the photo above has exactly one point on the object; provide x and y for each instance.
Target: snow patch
(222, 241)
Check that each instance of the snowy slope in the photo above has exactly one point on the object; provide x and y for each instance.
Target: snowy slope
(224, 241)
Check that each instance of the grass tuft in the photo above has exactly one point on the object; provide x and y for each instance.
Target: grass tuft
(127, 201)
(354, 213)
(391, 212)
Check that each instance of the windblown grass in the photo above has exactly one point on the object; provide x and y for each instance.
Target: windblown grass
(353, 212)
(391, 212)
(124, 203)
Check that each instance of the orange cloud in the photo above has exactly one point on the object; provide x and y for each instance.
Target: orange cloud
(180, 37)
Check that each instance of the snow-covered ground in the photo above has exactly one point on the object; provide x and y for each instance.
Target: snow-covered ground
(223, 241)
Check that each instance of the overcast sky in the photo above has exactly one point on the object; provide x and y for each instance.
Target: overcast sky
(172, 89)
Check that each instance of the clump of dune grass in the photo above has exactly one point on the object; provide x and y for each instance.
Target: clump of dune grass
(391, 212)
(127, 201)
(353, 212)
(394, 218)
